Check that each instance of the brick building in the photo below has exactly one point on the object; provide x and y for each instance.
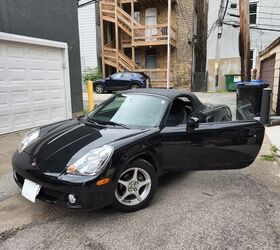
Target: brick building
(166, 39)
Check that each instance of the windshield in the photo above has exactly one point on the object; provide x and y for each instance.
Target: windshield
(132, 110)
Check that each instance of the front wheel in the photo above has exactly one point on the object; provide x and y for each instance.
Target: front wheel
(134, 86)
(99, 88)
(136, 186)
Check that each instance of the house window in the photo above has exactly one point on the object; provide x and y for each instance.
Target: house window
(253, 13)
(251, 59)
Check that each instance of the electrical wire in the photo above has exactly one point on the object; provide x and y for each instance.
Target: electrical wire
(258, 17)
(236, 25)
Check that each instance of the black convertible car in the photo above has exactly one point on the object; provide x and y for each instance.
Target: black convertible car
(115, 154)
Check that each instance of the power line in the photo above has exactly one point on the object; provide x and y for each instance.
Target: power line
(225, 11)
(236, 25)
(258, 17)
(263, 12)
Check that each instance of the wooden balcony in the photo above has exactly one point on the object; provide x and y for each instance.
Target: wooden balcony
(158, 77)
(151, 35)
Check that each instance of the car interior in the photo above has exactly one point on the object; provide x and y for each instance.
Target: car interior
(181, 108)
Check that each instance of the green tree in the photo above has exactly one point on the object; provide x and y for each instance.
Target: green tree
(91, 74)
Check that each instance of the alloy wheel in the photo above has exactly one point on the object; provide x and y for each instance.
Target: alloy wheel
(134, 186)
(99, 89)
(134, 86)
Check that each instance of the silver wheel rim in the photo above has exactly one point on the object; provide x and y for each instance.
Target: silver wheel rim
(134, 186)
(99, 89)
(135, 86)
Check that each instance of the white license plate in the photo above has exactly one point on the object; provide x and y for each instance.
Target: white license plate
(30, 190)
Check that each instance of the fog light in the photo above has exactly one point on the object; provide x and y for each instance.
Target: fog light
(71, 198)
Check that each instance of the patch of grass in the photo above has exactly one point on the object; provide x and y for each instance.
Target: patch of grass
(274, 149)
(268, 157)
(222, 91)
(272, 156)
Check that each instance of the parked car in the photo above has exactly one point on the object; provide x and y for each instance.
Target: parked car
(122, 81)
(115, 154)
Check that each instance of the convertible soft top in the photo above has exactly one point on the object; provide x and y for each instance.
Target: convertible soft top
(170, 93)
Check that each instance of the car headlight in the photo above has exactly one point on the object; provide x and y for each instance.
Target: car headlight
(93, 162)
(30, 137)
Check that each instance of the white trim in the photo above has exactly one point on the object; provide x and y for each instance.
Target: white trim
(67, 83)
(31, 40)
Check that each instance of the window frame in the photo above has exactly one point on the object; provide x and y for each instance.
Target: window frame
(256, 13)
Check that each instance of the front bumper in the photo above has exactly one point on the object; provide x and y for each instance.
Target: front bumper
(55, 187)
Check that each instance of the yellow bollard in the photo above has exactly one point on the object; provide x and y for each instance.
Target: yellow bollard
(90, 96)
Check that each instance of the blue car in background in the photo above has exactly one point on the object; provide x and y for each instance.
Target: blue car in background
(122, 81)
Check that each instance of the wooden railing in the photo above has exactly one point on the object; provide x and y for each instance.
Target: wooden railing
(150, 33)
(125, 62)
(110, 56)
(155, 74)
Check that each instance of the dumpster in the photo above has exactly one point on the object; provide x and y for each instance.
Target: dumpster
(231, 79)
(249, 98)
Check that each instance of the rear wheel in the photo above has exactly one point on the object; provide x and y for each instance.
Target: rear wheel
(99, 88)
(136, 186)
(134, 86)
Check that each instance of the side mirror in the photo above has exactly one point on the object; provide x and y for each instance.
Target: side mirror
(192, 124)
(109, 78)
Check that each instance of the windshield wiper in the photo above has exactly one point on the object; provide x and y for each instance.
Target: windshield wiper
(108, 123)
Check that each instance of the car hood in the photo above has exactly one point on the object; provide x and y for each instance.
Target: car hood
(100, 81)
(61, 145)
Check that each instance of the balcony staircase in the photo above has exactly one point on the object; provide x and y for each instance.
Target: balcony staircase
(113, 13)
(112, 57)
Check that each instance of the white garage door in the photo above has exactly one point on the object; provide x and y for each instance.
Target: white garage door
(34, 82)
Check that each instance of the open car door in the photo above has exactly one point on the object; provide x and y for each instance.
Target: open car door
(213, 145)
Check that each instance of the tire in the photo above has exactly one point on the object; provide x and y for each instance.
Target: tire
(134, 86)
(99, 88)
(128, 188)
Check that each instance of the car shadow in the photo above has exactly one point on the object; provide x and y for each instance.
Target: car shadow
(170, 178)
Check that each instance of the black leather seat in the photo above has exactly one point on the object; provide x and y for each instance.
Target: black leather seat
(177, 113)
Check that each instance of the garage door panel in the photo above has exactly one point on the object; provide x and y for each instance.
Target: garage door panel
(33, 90)
(20, 97)
(56, 113)
(4, 123)
(2, 76)
(15, 51)
(22, 119)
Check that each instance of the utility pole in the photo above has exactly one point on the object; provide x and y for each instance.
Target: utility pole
(217, 55)
(244, 40)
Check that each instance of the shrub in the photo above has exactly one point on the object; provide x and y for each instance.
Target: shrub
(92, 74)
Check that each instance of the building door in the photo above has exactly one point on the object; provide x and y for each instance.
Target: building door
(151, 20)
(137, 16)
(267, 70)
(151, 63)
